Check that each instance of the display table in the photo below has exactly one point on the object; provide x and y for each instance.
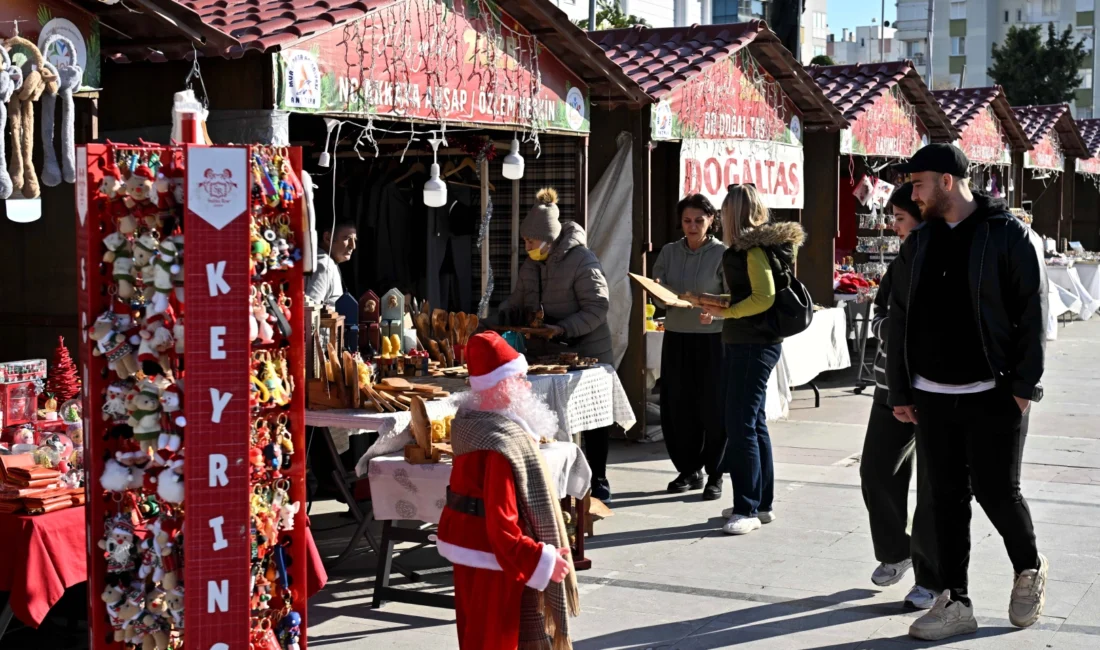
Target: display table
(404, 492)
(820, 348)
(1068, 278)
(1060, 303)
(1089, 272)
(43, 556)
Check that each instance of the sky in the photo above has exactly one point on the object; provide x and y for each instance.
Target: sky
(857, 13)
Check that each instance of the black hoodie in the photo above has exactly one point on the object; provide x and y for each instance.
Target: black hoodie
(1004, 303)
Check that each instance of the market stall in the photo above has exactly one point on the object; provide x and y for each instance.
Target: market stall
(1056, 144)
(1086, 213)
(989, 135)
(723, 104)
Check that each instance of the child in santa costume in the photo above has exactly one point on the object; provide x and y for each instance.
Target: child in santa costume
(502, 527)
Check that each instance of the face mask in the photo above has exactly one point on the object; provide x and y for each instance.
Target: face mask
(539, 254)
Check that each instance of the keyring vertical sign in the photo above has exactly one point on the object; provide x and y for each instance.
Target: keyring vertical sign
(217, 542)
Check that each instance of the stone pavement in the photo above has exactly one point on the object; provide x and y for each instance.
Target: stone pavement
(664, 575)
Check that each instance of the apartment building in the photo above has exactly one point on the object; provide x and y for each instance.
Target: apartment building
(911, 33)
(658, 13)
(965, 31)
(870, 44)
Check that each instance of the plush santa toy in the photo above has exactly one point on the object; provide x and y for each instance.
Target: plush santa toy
(502, 526)
(171, 399)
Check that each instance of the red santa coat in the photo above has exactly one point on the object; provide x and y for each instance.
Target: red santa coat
(494, 558)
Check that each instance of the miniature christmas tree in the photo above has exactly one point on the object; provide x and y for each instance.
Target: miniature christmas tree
(63, 382)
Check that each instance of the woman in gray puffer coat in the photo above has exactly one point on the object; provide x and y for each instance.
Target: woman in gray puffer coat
(564, 278)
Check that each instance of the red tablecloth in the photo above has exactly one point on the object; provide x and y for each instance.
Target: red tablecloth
(43, 555)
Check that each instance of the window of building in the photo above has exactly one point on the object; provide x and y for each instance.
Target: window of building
(958, 10)
(863, 42)
(958, 45)
(724, 11)
(1006, 16)
(1019, 15)
(1085, 78)
(1050, 7)
(914, 48)
(821, 24)
(1084, 113)
(820, 51)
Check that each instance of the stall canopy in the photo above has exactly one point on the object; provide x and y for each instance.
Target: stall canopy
(459, 61)
(1053, 135)
(989, 132)
(891, 111)
(736, 100)
(1090, 133)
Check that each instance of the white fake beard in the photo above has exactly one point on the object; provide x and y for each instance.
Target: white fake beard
(524, 408)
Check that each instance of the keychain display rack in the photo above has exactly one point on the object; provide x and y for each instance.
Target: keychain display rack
(194, 395)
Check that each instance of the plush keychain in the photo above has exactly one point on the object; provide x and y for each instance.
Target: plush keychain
(145, 412)
(21, 106)
(171, 398)
(61, 82)
(11, 77)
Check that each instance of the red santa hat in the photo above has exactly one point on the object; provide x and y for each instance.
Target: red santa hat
(167, 318)
(143, 171)
(491, 360)
(110, 168)
(122, 308)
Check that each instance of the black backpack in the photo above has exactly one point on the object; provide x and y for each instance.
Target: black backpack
(793, 309)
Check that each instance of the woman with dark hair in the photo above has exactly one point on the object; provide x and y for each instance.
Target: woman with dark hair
(888, 454)
(691, 359)
(758, 251)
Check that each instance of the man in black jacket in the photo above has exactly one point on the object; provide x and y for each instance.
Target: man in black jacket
(965, 359)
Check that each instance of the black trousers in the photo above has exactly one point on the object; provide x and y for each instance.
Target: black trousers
(884, 471)
(596, 444)
(974, 445)
(691, 414)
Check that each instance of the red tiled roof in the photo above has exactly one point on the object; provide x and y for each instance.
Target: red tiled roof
(854, 88)
(1037, 121)
(662, 60)
(1090, 133)
(962, 105)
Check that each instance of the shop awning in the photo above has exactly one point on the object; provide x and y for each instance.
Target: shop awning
(854, 89)
(661, 61)
(232, 29)
(1090, 133)
(1038, 121)
(964, 106)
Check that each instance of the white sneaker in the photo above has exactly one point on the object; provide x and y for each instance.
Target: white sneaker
(766, 517)
(741, 525)
(891, 574)
(1029, 594)
(947, 618)
(920, 598)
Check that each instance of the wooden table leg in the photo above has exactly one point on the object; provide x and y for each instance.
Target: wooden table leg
(579, 509)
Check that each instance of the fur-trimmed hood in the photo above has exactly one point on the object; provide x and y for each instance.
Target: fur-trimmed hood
(775, 234)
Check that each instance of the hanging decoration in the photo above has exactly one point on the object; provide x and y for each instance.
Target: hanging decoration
(889, 127)
(11, 78)
(26, 56)
(984, 141)
(1046, 154)
(65, 79)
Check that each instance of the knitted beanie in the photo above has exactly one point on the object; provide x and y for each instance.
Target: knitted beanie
(542, 222)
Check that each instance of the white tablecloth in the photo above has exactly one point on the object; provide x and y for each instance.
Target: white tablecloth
(1069, 279)
(1090, 277)
(820, 348)
(1060, 302)
(400, 490)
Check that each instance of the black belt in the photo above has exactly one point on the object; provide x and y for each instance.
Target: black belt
(464, 504)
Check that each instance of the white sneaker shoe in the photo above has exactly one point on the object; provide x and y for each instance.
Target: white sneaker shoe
(919, 598)
(1029, 594)
(947, 618)
(891, 574)
(766, 517)
(741, 525)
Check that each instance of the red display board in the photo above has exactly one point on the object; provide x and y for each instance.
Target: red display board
(196, 518)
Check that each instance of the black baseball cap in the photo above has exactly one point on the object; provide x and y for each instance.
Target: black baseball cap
(940, 158)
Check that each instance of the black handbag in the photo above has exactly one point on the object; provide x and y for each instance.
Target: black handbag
(793, 309)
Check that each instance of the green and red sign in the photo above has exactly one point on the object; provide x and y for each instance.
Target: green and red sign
(889, 128)
(1047, 154)
(984, 141)
(456, 61)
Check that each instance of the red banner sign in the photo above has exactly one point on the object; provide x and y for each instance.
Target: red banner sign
(709, 167)
(1090, 166)
(889, 128)
(217, 343)
(984, 142)
(1047, 154)
(734, 99)
(460, 61)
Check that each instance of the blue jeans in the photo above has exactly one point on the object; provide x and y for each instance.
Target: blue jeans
(746, 369)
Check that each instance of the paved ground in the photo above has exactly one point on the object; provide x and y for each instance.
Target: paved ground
(665, 576)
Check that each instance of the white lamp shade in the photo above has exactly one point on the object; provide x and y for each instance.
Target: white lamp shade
(24, 210)
(513, 163)
(435, 190)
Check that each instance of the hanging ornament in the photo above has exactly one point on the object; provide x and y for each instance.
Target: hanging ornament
(513, 162)
(435, 189)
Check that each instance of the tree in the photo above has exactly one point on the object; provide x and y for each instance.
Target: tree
(822, 59)
(63, 381)
(1034, 73)
(609, 15)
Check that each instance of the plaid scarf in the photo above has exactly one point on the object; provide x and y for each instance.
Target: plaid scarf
(544, 623)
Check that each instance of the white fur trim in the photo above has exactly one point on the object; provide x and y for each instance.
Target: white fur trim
(468, 556)
(513, 368)
(540, 579)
